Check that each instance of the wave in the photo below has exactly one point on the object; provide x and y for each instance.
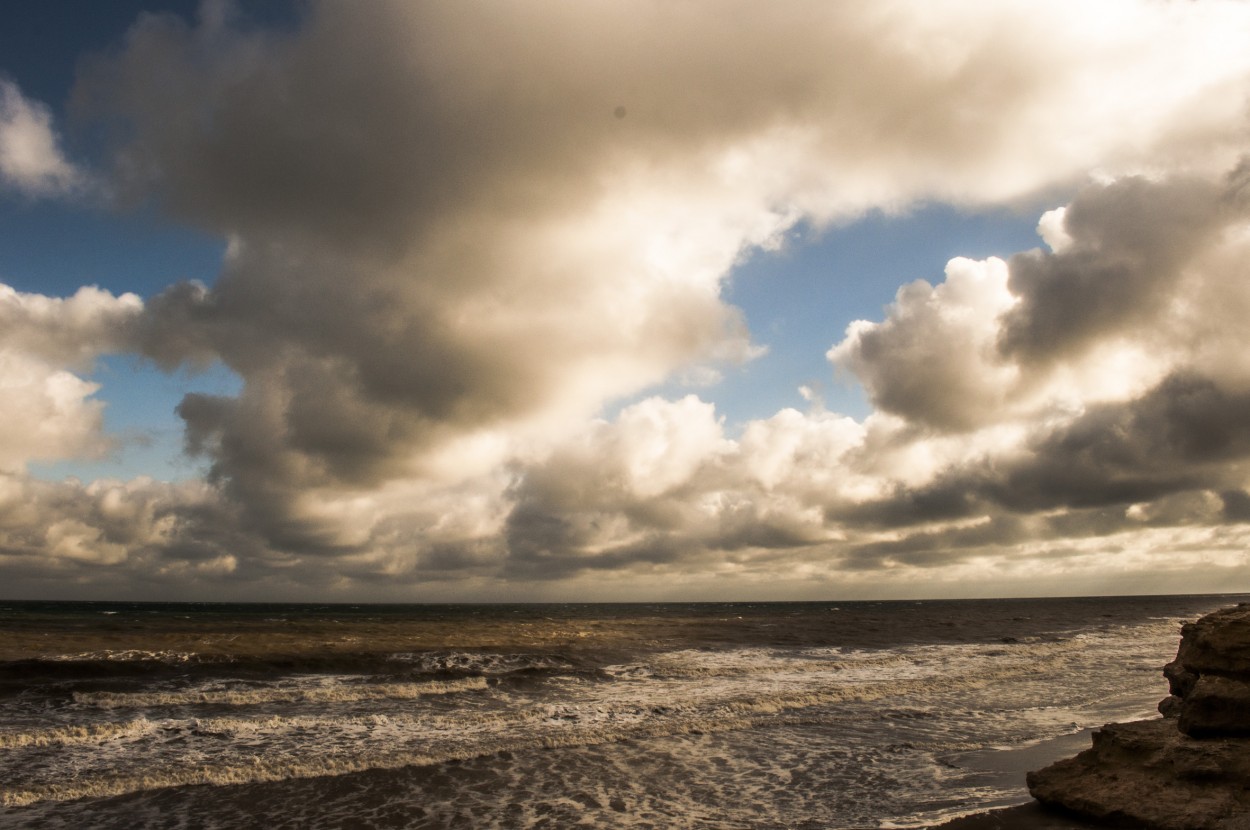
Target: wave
(696, 663)
(486, 663)
(333, 693)
(851, 665)
(93, 733)
(16, 675)
(253, 728)
(279, 767)
(129, 655)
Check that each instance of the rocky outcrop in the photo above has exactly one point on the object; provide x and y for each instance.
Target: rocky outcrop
(1210, 677)
(1148, 774)
(1189, 770)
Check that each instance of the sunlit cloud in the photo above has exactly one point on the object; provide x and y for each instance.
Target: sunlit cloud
(31, 160)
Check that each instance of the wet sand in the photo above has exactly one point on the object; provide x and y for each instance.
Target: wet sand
(1009, 767)
(1025, 817)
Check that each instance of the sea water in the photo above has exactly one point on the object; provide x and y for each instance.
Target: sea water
(708, 715)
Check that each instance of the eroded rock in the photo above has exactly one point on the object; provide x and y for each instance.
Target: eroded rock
(1217, 706)
(1147, 774)
(1189, 770)
(1219, 643)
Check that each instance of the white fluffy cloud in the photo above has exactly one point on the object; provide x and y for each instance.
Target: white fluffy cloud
(46, 344)
(31, 160)
(458, 233)
(935, 360)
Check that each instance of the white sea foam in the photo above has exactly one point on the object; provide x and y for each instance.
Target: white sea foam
(513, 733)
(258, 767)
(326, 691)
(486, 663)
(127, 656)
(90, 733)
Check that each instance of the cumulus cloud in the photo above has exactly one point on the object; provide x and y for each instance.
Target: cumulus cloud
(975, 450)
(1121, 260)
(31, 160)
(69, 331)
(441, 227)
(457, 234)
(1123, 397)
(124, 538)
(1121, 296)
(46, 345)
(934, 361)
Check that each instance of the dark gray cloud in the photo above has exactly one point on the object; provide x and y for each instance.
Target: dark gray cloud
(938, 548)
(1130, 241)
(1186, 433)
(1236, 505)
(1168, 452)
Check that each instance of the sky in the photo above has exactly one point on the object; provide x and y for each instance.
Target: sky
(572, 301)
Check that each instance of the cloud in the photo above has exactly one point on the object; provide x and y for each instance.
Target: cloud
(458, 235)
(122, 538)
(412, 218)
(1121, 261)
(619, 493)
(1119, 395)
(977, 450)
(1125, 293)
(1185, 434)
(46, 345)
(31, 160)
(69, 331)
(934, 361)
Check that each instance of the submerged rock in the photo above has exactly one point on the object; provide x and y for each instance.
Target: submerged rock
(1189, 770)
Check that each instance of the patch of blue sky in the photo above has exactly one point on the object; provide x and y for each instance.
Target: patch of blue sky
(798, 301)
(51, 248)
(140, 418)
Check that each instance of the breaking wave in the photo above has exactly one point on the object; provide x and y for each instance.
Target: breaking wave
(329, 693)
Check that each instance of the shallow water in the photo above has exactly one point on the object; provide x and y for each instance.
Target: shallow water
(758, 715)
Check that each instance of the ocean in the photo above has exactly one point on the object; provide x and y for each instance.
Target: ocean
(821, 715)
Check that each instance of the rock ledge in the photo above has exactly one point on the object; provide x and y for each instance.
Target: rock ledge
(1189, 770)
